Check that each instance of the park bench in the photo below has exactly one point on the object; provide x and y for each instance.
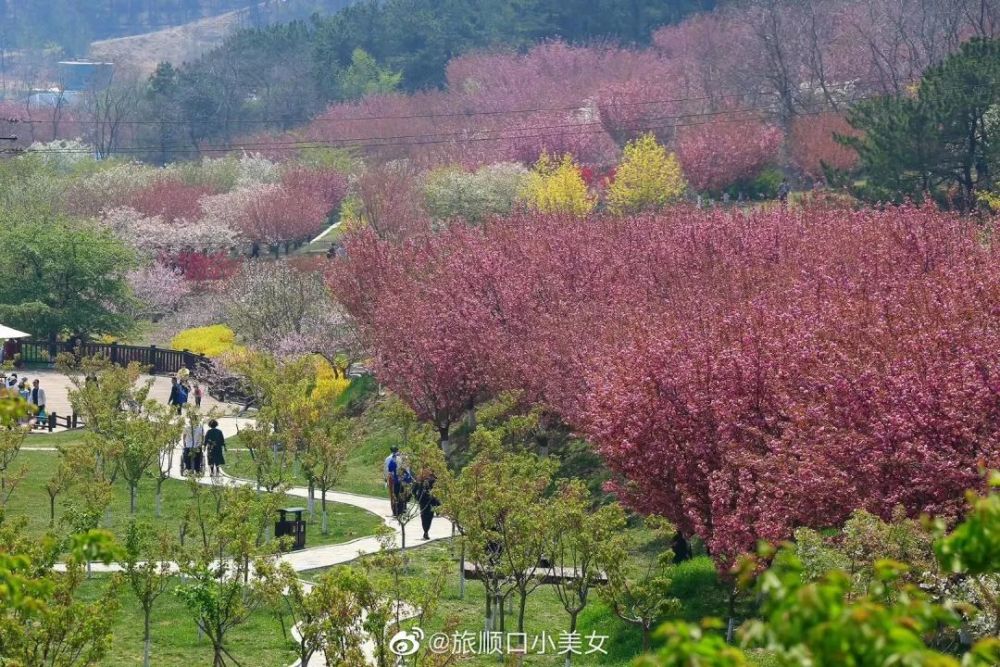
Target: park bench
(548, 574)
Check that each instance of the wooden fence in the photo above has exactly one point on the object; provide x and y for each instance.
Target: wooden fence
(158, 360)
(53, 421)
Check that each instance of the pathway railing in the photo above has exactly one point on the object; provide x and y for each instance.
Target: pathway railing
(159, 360)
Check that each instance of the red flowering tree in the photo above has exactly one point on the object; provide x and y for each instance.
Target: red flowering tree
(203, 266)
(812, 144)
(273, 213)
(171, 199)
(742, 374)
(415, 315)
(726, 149)
(806, 366)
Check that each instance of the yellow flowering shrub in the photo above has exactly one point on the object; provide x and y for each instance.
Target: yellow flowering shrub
(989, 199)
(648, 177)
(558, 187)
(211, 341)
(328, 386)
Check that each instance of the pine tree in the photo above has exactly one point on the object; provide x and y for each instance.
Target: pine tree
(939, 141)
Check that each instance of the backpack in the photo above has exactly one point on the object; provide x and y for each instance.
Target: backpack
(182, 394)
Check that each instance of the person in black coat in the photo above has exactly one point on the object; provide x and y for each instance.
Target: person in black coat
(215, 442)
(423, 491)
(173, 399)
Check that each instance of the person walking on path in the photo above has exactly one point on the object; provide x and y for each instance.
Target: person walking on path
(37, 397)
(172, 399)
(194, 441)
(215, 443)
(178, 395)
(390, 477)
(197, 395)
(423, 491)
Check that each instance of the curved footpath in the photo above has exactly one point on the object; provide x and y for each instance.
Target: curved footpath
(316, 557)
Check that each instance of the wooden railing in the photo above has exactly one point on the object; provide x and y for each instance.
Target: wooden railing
(158, 360)
(53, 421)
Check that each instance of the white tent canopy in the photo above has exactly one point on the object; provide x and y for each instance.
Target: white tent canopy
(7, 332)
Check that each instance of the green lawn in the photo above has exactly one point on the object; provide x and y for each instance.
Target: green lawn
(30, 500)
(60, 439)
(322, 244)
(544, 613)
(364, 462)
(363, 474)
(695, 584)
(258, 643)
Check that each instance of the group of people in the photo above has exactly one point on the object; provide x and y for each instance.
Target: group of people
(199, 445)
(181, 393)
(403, 486)
(30, 390)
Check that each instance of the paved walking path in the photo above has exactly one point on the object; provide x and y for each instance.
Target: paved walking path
(57, 387)
(316, 557)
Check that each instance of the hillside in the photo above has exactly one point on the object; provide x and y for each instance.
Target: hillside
(175, 44)
(190, 40)
(72, 25)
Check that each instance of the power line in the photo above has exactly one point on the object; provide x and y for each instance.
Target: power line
(381, 142)
(458, 137)
(460, 114)
(450, 114)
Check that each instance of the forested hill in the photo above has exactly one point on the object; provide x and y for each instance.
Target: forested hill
(295, 70)
(73, 24)
(418, 37)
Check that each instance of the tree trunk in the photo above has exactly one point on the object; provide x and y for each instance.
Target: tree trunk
(488, 624)
(133, 492)
(311, 503)
(572, 630)
(146, 640)
(159, 497)
(325, 530)
(470, 415)
(461, 573)
(52, 510)
(681, 548)
(304, 653)
(732, 614)
(522, 605)
(443, 432)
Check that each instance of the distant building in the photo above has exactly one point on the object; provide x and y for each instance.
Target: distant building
(52, 97)
(79, 76)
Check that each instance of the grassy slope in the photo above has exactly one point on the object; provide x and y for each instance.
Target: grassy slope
(695, 584)
(60, 439)
(258, 643)
(364, 462)
(30, 500)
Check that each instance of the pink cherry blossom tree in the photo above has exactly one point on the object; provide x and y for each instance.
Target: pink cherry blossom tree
(158, 289)
(741, 373)
(725, 149)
